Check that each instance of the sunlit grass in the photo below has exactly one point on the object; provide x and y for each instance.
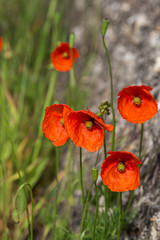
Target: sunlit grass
(28, 84)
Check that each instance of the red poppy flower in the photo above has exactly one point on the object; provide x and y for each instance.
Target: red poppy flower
(120, 171)
(1, 43)
(53, 123)
(86, 129)
(61, 57)
(136, 104)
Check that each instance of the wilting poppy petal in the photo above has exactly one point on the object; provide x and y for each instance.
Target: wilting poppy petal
(136, 104)
(1, 43)
(86, 129)
(61, 57)
(120, 171)
(53, 123)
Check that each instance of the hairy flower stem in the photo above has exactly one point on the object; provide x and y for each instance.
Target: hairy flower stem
(87, 199)
(141, 140)
(31, 194)
(81, 178)
(56, 194)
(14, 159)
(97, 206)
(120, 215)
(111, 85)
(106, 191)
(85, 209)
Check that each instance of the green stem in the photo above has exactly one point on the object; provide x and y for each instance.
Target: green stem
(81, 178)
(31, 194)
(140, 153)
(72, 72)
(104, 145)
(106, 190)
(85, 209)
(111, 85)
(129, 203)
(14, 159)
(56, 195)
(87, 199)
(97, 206)
(4, 198)
(120, 215)
(46, 103)
(141, 140)
(97, 158)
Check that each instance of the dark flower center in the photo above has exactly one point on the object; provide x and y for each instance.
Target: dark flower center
(137, 101)
(65, 55)
(121, 167)
(62, 122)
(89, 124)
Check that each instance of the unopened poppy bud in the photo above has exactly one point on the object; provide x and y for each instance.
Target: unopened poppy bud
(71, 40)
(105, 106)
(103, 111)
(94, 174)
(16, 216)
(99, 114)
(105, 24)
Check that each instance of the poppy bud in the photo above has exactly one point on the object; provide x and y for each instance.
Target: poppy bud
(94, 174)
(16, 216)
(105, 24)
(71, 40)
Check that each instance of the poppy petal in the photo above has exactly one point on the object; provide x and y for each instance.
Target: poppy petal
(137, 113)
(91, 139)
(52, 125)
(58, 60)
(107, 127)
(121, 181)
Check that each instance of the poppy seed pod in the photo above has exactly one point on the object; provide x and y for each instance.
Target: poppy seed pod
(94, 174)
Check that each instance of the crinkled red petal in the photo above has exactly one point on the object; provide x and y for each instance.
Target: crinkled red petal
(59, 62)
(51, 125)
(91, 139)
(137, 114)
(121, 182)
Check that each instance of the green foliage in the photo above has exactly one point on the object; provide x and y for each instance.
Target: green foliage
(28, 84)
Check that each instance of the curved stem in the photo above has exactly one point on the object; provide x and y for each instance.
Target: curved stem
(81, 178)
(120, 215)
(4, 197)
(31, 194)
(14, 159)
(97, 206)
(111, 85)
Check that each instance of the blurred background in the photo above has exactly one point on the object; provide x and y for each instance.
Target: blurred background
(28, 83)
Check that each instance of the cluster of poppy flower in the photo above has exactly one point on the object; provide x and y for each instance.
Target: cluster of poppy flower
(136, 104)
